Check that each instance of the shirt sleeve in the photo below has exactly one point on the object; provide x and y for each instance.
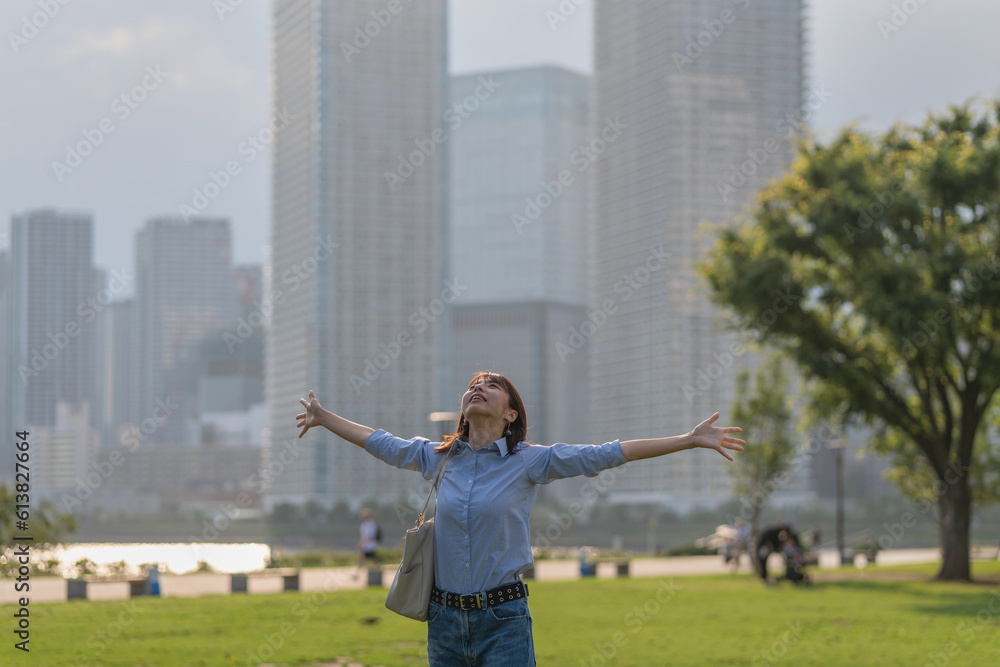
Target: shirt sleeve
(413, 454)
(544, 464)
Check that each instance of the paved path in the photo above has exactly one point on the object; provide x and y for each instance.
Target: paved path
(702, 565)
(52, 589)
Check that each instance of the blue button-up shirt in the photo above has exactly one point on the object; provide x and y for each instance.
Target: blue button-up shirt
(481, 531)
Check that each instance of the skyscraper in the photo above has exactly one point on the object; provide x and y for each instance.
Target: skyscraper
(51, 329)
(6, 355)
(518, 239)
(700, 96)
(121, 399)
(100, 363)
(64, 451)
(357, 278)
(185, 292)
(512, 134)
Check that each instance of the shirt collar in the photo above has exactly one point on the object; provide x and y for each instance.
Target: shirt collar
(501, 445)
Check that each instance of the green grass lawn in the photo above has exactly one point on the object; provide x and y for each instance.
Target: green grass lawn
(717, 620)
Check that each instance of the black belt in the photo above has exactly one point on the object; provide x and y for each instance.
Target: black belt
(490, 598)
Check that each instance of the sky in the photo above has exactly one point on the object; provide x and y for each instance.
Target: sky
(166, 93)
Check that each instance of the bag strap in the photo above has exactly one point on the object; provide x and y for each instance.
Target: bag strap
(438, 474)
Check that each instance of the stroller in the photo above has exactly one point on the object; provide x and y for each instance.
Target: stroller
(780, 538)
(795, 561)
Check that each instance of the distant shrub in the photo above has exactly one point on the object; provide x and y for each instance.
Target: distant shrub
(692, 550)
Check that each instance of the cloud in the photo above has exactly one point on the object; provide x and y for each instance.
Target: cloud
(66, 79)
(203, 63)
(116, 42)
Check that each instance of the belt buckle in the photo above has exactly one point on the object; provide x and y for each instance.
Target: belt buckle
(477, 602)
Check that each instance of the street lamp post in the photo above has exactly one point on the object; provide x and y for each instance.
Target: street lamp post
(441, 419)
(838, 448)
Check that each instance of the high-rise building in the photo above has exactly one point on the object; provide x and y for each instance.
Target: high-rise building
(6, 354)
(100, 363)
(518, 240)
(249, 290)
(231, 408)
(63, 451)
(517, 339)
(121, 343)
(52, 310)
(694, 105)
(185, 293)
(357, 272)
(519, 218)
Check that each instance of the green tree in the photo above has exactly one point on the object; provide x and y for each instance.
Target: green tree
(46, 527)
(883, 249)
(765, 416)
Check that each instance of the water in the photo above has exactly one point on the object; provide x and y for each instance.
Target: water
(176, 558)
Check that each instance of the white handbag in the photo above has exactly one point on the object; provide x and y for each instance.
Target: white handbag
(410, 592)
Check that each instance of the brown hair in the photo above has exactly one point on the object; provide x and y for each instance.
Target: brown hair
(518, 427)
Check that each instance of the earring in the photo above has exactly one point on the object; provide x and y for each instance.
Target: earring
(507, 432)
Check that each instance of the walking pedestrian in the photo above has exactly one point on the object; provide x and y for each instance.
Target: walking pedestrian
(369, 540)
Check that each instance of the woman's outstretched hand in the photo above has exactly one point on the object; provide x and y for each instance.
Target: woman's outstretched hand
(714, 437)
(309, 418)
(315, 415)
(704, 435)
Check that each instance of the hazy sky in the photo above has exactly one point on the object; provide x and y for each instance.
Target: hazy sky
(205, 87)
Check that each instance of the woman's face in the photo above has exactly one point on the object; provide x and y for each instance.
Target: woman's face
(487, 397)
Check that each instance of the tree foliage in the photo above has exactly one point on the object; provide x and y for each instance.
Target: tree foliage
(46, 527)
(887, 245)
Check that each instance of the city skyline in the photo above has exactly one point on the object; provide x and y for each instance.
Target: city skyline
(364, 198)
(210, 105)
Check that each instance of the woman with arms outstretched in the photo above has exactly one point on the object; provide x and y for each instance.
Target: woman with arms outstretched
(478, 613)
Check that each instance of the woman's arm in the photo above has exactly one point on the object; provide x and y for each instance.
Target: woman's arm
(315, 415)
(704, 435)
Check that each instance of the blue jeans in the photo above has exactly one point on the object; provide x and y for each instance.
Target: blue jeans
(498, 636)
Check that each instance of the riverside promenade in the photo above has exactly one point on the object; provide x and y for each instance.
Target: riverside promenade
(58, 589)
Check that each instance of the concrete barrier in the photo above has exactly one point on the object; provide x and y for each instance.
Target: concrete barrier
(828, 559)
(138, 587)
(555, 570)
(612, 570)
(908, 556)
(109, 590)
(264, 583)
(42, 589)
(76, 589)
(330, 578)
(58, 589)
(190, 585)
(238, 582)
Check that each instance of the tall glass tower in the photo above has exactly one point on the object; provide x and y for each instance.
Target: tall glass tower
(518, 239)
(185, 292)
(357, 275)
(701, 93)
(52, 335)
